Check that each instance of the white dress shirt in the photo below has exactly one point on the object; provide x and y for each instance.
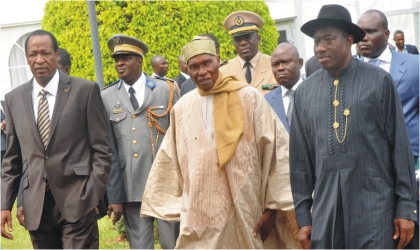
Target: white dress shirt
(286, 99)
(138, 87)
(185, 75)
(385, 59)
(52, 88)
(253, 62)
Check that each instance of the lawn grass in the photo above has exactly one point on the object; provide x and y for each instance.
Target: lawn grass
(108, 236)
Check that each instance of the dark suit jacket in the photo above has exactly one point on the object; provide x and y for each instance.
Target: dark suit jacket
(77, 159)
(312, 65)
(275, 99)
(3, 135)
(404, 70)
(180, 79)
(412, 49)
(187, 86)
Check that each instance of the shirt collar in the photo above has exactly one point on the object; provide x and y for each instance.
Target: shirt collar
(284, 90)
(386, 56)
(137, 85)
(185, 75)
(154, 75)
(51, 87)
(253, 60)
(404, 50)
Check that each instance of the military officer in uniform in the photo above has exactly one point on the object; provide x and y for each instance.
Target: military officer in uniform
(138, 108)
(250, 65)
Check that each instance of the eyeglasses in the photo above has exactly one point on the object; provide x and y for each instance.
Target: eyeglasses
(247, 37)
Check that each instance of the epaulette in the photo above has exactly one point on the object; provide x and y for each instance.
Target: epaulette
(164, 78)
(170, 81)
(112, 84)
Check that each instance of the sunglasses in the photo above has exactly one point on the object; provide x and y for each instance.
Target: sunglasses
(247, 37)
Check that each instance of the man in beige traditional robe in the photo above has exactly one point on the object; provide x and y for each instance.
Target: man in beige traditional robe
(223, 167)
(250, 65)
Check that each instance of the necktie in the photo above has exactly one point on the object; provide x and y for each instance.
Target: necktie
(43, 120)
(133, 99)
(375, 62)
(248, 72)
(290, 93)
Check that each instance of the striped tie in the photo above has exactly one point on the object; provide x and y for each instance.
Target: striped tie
(43, 120)
(290, 93)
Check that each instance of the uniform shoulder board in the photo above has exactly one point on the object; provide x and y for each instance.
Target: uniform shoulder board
(112, 84)
(163, 78)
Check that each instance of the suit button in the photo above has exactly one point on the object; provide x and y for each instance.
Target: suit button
(133, 129)
(136, 155)
(133, 116)
(118, 119)
(46, 157)
(415, 211)
(134, 142)
(44, 180)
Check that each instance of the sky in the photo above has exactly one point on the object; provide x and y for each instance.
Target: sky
(17, 11)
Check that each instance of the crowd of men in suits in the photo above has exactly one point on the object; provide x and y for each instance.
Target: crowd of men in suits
(68, 142)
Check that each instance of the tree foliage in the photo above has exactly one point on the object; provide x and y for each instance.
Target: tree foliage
(165, 26)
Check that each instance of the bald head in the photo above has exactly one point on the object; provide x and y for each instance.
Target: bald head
(182, 65)
(287, 46)
(375, 24)
(160, 65)
(286, 64)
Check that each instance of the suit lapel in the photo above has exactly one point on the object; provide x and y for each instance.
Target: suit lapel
(63, 91)
(396, 69)
(279, 107)
(29, 110)
(124, 99)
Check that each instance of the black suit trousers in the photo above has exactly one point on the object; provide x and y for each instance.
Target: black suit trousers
(55, 232)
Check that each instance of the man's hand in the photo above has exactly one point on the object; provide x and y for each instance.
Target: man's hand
(20, 216)
(305, 236)
(6, 218)
(265, 224)
(117, 209)
(3, 125)
(404, 229)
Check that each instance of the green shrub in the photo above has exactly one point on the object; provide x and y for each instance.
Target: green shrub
(165, 26)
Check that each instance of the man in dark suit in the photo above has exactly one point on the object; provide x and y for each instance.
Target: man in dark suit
(286, 65)
(64, 65)
(401, 46)
(58, 143)
(183, 72)
(64, 61)
(3, 130)
(311, 65)
(404, 69)
(160, 66)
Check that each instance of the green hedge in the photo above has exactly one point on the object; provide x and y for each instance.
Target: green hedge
(165, 26)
